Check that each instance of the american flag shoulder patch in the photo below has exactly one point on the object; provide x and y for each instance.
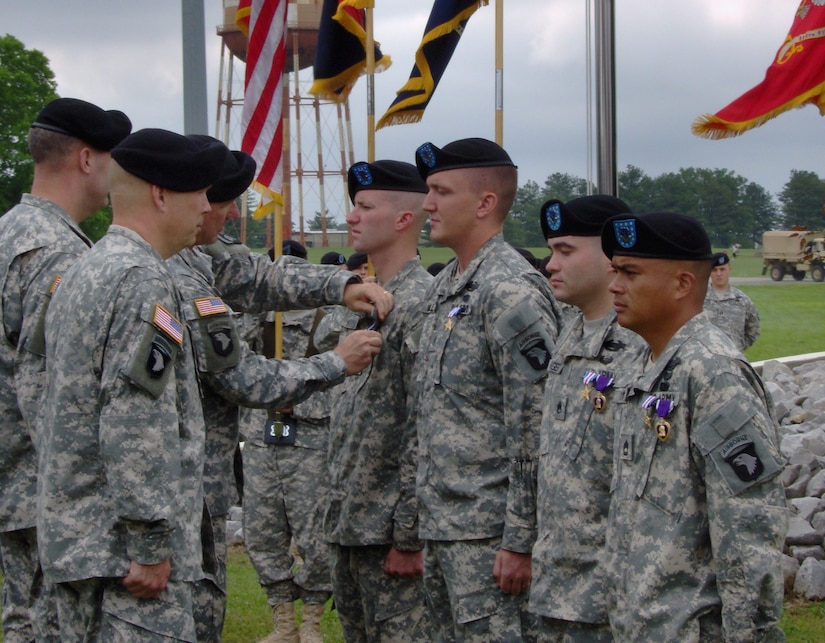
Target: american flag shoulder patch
(168, 324)
(210, 306)
(55, 283)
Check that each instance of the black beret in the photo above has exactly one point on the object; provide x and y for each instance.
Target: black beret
(467, 152)
(356, 259)
(94, 126)
(170, 160)
(582, 217)
(333, 259)
(384, 175)
(720, 259)
(292, 248)
(656, 235)
(236, 177)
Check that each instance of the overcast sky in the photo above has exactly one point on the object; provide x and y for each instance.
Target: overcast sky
(674, 61)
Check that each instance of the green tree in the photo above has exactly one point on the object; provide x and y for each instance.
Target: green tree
(564, 187)
(803, 200)
(521, 227)
(764, 215)
(26, 85)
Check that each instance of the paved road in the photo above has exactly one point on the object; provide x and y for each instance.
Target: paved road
(762, 281)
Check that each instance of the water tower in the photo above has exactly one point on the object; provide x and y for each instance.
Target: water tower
(318, 131)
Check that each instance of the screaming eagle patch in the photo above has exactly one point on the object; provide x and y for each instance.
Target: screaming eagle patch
(740, 454)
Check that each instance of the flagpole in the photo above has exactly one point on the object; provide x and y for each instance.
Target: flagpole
(607, 182)
(500, 72)
(370, 46)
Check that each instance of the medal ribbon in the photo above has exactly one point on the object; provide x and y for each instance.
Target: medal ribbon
(662, 406)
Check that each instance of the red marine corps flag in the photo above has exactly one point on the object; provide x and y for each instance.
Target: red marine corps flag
(796, 77)
(264, 23)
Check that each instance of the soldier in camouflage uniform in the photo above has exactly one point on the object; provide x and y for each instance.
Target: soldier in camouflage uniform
(593, 358)
(120, 496)
(729, 308)
(371, 519)
(697, 518)
(286, 490)
(230, 374)
(39, 240)
(487, 337)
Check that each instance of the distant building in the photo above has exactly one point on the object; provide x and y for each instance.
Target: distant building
(314, 238)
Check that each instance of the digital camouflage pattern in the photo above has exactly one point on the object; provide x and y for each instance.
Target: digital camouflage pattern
(735, 314)
(230, 375)
(39, 241)
(372, 468)
(486, 342)
(286, 488)
(575, 468)
(373, 447)
(373, 606)
(122, 429)
(698, 515)
(254, 284)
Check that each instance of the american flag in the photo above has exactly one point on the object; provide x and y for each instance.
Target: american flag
(264, 22)
(168, 324)
(210, 306)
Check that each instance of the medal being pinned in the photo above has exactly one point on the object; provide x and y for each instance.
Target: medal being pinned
(600, 382)
(661, 408)
(454, 312)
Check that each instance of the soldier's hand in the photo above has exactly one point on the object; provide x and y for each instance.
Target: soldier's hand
(512, 571)
(358, 349)
(364, 297)
(404, 564)
(147, 581)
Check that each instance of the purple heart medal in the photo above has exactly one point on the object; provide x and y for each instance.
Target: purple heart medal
(600, 383)
(662, 408)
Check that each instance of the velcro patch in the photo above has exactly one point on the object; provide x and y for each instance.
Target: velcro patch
(158, 360)
(740, 453)
(168, 324)
(210, 306)
(535, 351)
(222, 341)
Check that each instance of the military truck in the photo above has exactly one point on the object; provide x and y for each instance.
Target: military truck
(793, 252)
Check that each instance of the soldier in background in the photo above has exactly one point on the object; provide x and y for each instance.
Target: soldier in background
(592, 363)
(371, 519)
(40, 238)
(231, 374)
(286, 487)
(698, 516)
(729, 308)
(486, 342)
(120, 498)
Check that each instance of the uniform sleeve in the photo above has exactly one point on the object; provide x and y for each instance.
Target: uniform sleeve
(44, 270)
(524, 336)
(405, 517)
(140, 437)
(257, 382)
(253, 284)
(753, 327)
(735, 448)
